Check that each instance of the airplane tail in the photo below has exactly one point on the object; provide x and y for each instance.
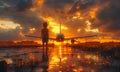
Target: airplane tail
(60, 27)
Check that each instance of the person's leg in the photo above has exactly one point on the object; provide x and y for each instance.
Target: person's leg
(43, 51)
(43, 47)
(47, 51)
(46, 48)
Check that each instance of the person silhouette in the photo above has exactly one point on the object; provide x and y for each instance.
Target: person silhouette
(45, 37)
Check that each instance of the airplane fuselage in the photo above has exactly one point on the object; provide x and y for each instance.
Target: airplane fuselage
(60, 37)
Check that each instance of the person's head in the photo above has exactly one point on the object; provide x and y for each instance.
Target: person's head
(45, 24)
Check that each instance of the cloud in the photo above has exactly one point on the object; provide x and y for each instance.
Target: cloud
(21, 14)
(23, 5)
(81, 5)
(58, 3)
(107, 20)
(12, 34)
(110, 18)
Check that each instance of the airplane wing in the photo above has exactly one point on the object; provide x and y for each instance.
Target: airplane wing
(32, 36)
(38, 37)
(80, 37)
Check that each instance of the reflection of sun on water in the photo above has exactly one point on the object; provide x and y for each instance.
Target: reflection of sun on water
(68, 58)
(60, 51)
(57, 58)
(57, 43)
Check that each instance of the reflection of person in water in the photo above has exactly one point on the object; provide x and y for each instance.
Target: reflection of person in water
(3, 66)
(45, 36)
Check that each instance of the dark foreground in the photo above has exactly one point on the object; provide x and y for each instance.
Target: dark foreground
(62, 59)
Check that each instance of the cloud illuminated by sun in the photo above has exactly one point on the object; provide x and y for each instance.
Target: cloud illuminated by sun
(8, 25)
(55, 25)
(89, 29)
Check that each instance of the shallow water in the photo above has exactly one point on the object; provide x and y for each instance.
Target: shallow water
(60, 59)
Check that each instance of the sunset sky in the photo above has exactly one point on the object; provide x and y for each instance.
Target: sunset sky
(78, 18)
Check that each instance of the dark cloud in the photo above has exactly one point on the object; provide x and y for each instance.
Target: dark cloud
(18, 14)
(81, 5)
(55, 8)
(26, 21)
(110, 18)
(12, 34)
(58, 3)
(23, 5)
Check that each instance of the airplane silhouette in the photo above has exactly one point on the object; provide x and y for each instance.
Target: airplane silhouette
(60, 37)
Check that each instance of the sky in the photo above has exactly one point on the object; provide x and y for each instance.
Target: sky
(78, 17)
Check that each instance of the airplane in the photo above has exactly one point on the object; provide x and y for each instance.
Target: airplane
(61, 38)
